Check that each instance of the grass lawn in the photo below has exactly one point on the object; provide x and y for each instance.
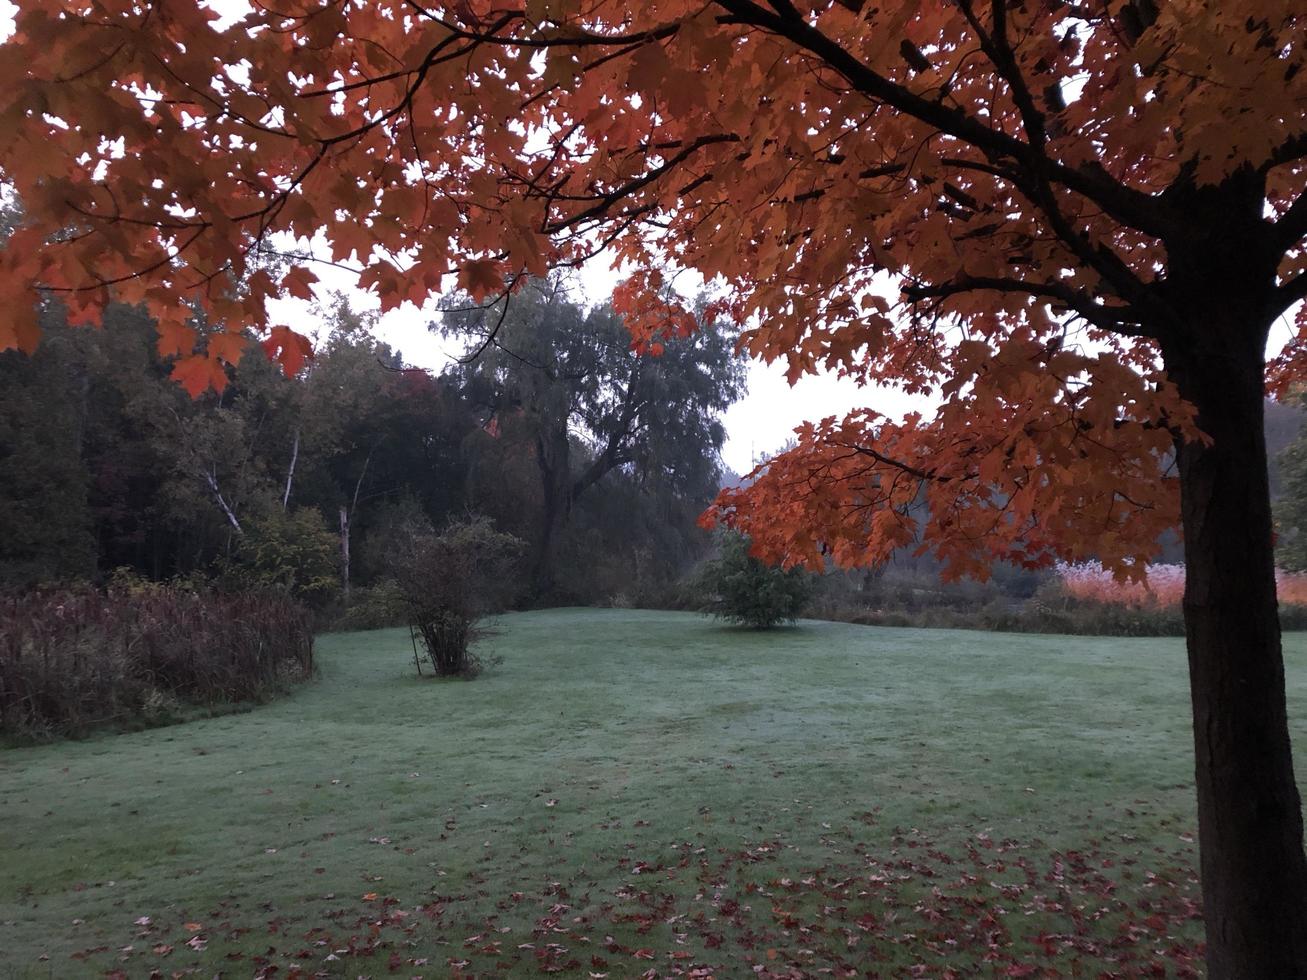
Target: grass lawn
(636, 793)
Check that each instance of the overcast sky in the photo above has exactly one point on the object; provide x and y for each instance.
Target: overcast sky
(756, 425)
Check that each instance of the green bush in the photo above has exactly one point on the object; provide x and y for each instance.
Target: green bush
(739, 588)
(293, 552)
(372, 608)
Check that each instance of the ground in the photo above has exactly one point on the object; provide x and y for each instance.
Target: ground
(636, 793)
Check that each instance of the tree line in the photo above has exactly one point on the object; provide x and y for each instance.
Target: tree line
(596, 456)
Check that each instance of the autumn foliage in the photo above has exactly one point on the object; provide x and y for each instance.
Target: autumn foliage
(642, 128)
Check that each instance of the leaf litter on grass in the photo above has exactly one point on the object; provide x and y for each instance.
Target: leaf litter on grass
(836, 828)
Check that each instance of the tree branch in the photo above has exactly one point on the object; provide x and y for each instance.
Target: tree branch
(610, 457)
(1118, 319)
(1131, 207)
(1290, 294)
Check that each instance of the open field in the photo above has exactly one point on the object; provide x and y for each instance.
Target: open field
(631, 792)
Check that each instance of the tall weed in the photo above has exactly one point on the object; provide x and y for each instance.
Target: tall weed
(72, 660)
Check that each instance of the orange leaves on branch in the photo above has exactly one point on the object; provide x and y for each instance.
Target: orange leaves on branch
(652, 313)
(1288, 369)
(1013, 469)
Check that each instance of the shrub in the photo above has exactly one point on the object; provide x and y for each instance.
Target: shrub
(739, 588)
(73, 660)
(448, 583)
(372, 608)
(294, 552)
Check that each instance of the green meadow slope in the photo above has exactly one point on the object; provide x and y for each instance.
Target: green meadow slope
(632, 792)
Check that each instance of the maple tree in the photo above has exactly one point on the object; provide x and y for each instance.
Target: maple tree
(1094, 211)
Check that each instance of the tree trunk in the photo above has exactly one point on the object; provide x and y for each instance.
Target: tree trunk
(1254, 874)
(553, 457)
(212, 482)
(347, 520)
(290, 470)
(344, 550)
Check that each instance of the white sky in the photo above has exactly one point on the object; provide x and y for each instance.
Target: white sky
(756, 425)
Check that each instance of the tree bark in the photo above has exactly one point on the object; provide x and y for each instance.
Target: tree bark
(1254, 873)
(344, 550)
(290, 470)
(553, 457)
(212, 482)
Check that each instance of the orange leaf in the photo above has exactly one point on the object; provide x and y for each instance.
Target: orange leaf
(288, 348)
(298, 282)
(21, 329)
(227, 347)
(479, 278)
(198, 373)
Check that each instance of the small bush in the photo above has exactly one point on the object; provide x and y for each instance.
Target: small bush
(293, 552)
(372, 608)
(73, 660)
(448, 583)
(739, 588)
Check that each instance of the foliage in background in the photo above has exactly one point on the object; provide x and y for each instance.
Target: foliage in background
(1075, 600)
(106, 463)
(739, 588)
(1164, 587)
(1291, 506)
(293, 552)
(140, 653)
(449, 582)
(566, 390)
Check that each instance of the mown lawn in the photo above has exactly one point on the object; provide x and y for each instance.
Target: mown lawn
(636, 793)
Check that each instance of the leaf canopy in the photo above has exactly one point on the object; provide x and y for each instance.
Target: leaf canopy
(1027, 174)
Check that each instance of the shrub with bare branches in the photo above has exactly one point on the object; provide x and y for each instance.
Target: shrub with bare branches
(449, 582)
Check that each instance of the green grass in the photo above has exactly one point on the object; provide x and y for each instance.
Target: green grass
(633, 791)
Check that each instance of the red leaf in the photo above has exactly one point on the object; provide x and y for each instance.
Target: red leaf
(198, 373)
(480, 277)
(288, 348)
(298, 282)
